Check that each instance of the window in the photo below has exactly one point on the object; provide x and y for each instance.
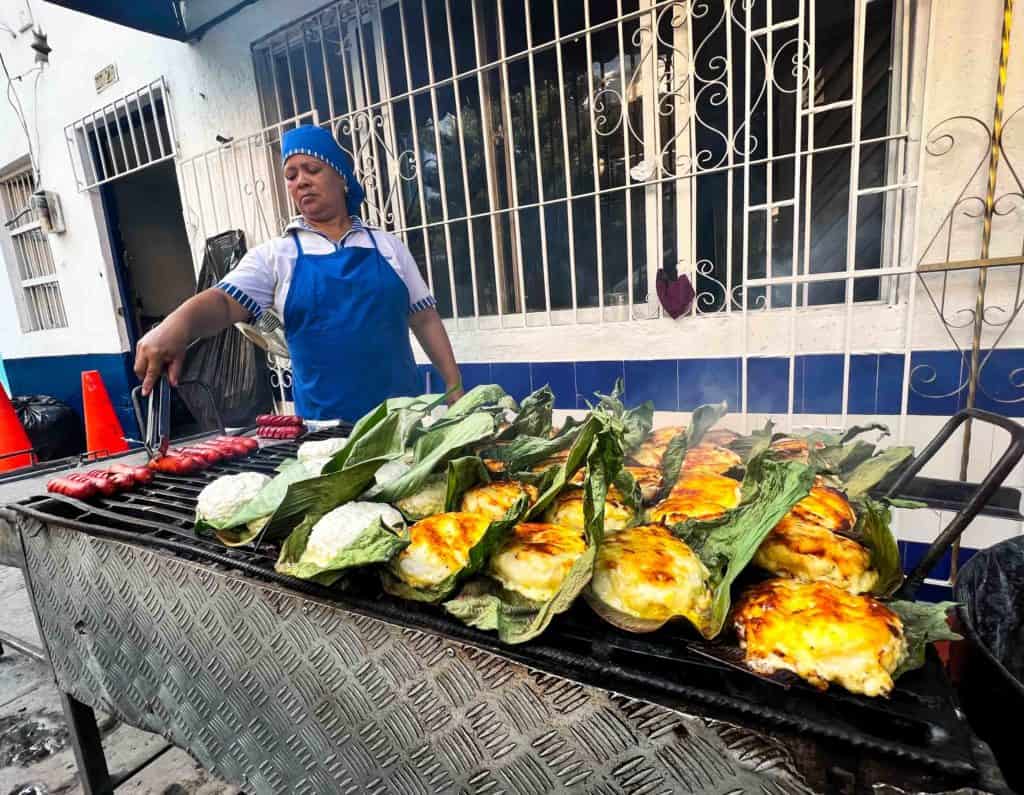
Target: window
(543, 160)
(36, 285)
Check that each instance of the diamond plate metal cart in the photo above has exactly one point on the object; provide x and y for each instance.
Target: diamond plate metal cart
(279, 685)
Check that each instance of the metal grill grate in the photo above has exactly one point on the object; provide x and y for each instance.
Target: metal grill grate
(919, 724)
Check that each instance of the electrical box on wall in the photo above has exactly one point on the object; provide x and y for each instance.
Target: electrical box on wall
(51, 216)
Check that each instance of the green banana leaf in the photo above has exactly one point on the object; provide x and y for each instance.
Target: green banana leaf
(486, 605)
(637, 421)
(434, 448)
(752, 445)
(874, 532)
(463, 474)
(375, 544)
(495, 534)
(476, 398)
(868, 474)
(727, 545)
(321, 494)
(923, 623)
(577, 455)
(534, 417)
(263, 505)
(703, 418)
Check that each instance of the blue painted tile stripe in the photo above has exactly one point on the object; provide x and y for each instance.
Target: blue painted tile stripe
(875, 387)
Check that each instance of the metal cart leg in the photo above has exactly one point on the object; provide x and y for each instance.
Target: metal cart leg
(86, 740)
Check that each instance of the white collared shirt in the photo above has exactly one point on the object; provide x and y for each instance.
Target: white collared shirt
(262, 279)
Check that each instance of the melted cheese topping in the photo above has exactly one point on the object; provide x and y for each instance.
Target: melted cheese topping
(804, 545)
(711, 459)
(808, 553)
(652, 450)
(438, 547)
(648, 573)
(567, 510)
(697, 496)
(495, 499)
(536, 558)
(821, 633)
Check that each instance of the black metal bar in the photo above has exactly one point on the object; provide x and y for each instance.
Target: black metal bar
(993, 480)
(88, 746)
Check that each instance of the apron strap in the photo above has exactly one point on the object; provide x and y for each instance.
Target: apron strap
(298, 245)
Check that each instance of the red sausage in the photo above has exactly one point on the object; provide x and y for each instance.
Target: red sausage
(277, 420)
(138, 474)
(280, 431)
(79, 490)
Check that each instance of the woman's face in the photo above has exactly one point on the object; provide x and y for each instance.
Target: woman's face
(316, 188)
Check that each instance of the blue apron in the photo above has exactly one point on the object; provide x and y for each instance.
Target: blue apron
(346, 320)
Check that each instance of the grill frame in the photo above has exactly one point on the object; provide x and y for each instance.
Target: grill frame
(578, 645)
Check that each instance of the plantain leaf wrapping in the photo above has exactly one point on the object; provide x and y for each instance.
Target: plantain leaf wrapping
(754, 444)
(534, 416)
(321, 494)
(923, 623)
(463, 474)
(486, 605)
(728, 544)
(868, 474)
(495, 534)
(434, 448)
(874, 532)
(703, 418)
(375, 544)
(244, 524)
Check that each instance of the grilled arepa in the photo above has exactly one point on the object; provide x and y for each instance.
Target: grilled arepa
(493, 500)
(438, 547)
(821, 633)
(652, 449)
(793, 449)
(567, 510)
(536, 558)
(647, 478)
(708, 458)
(697, 496)
(804, 545)
(644, 576)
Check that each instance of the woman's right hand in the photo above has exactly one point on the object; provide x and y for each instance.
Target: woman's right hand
(161, 348)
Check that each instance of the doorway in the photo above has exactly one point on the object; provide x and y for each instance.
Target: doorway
(151, 245)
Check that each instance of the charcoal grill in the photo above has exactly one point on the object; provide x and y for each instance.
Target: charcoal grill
(276, 683)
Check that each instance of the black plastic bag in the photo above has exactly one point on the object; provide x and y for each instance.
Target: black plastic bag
(991, 588)
(54, 427)
(232, 367)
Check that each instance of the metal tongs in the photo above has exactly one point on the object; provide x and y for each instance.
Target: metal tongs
(155, 422)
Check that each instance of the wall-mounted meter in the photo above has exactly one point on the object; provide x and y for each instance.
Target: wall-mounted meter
(47, 205)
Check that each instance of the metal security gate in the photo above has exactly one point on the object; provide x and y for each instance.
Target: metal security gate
(543, 161)
(543, 168)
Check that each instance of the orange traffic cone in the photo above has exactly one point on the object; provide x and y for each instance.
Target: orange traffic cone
(13, 438)
(103, 433)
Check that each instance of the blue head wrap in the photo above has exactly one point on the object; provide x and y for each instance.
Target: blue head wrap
(319, 143)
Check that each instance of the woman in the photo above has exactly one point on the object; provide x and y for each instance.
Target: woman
(348, 294)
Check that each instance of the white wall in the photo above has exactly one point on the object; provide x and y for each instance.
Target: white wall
(212, 91)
